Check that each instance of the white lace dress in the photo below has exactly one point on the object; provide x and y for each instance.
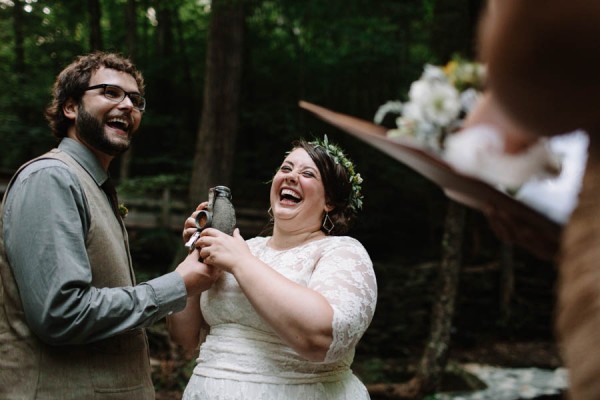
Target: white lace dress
(242, 358)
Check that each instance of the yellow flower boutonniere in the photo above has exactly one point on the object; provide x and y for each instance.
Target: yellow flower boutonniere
(123, 211)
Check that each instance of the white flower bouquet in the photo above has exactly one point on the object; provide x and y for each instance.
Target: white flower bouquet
(547, 171)
(437, 103)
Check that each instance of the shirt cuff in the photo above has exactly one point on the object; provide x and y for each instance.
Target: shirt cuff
(170, 292)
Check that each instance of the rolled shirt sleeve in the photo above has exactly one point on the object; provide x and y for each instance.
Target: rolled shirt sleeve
(45, 225)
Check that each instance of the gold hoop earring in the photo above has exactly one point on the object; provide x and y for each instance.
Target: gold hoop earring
(328, 224)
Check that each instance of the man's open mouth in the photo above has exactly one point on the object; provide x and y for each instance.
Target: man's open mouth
(119, 123)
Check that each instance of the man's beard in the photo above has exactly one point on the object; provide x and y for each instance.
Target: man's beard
(91, 131)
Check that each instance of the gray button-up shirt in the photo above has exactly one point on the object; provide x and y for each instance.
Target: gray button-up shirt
(45, 225)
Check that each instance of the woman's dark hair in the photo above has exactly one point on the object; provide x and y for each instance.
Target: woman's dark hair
(338, 188)
(75, 78)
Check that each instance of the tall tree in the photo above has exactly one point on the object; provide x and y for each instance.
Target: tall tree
(131, 28)
(165, 52)
(95, 11)
(215, 143)
(164, 15)
(18, 23)
(455, 22)
(131, 43)
(433, 361)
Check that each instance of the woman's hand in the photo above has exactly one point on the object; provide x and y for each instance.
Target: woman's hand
(221, 250)
(189, 226)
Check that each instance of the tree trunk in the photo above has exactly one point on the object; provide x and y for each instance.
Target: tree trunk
(131, 42)
(131, 28)
(164, 32)
(435, 356)
(95, 29)
(187, 65)
(162, 83)
(215, 144)
(454, 27)
(507, 281)
(18, 23)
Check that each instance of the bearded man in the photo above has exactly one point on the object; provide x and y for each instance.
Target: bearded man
(71, 315)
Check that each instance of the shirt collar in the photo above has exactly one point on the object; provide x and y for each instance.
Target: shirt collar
(85, 158)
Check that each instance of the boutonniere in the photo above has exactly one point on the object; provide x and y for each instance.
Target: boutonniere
(123, 211)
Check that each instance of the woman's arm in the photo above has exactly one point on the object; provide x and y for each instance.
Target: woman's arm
(302, 316)
(184, 326)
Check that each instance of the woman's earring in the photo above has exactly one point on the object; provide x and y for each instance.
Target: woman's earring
(270, 212)
(328, 224)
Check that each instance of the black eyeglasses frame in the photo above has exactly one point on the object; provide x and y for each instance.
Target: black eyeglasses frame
(125, 94)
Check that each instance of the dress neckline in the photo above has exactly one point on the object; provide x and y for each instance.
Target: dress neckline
(301, 245)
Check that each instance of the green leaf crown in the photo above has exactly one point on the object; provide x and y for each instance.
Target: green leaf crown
(355, 200)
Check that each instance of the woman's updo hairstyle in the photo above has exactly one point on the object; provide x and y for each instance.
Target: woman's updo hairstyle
(341, 183)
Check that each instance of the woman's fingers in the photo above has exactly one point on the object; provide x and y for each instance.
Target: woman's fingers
(189, 225)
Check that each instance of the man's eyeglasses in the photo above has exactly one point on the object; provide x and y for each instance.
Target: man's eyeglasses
(117, 94)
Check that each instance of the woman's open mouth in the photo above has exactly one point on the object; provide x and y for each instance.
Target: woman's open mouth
(289, 196)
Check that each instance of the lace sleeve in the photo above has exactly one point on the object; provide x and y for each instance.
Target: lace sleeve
(345, 277)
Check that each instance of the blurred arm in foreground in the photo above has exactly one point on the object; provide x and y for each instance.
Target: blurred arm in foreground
(542, 58)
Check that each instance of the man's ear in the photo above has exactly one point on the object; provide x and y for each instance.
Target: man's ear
(70, 109)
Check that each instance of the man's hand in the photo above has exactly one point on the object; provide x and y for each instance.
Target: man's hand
(197, 276)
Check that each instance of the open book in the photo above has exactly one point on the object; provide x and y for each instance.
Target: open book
(468, 190)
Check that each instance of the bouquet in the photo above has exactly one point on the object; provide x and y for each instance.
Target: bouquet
(432, 118)
(437, 103)
(546, 175)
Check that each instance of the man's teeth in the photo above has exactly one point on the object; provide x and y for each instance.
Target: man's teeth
(120, 121)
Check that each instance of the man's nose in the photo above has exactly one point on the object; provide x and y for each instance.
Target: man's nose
(126, 102)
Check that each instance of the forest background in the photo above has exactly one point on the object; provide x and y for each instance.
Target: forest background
(223, 81)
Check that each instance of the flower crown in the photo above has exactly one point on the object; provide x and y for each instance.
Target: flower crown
(355, 200)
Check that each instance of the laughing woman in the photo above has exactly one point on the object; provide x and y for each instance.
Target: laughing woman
(284, 318)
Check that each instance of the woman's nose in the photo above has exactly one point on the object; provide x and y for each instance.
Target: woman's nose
(292, 176)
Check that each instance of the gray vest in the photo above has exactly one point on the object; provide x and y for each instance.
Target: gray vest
(115, 368)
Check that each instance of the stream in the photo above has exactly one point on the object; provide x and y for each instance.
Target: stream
(512, 383)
